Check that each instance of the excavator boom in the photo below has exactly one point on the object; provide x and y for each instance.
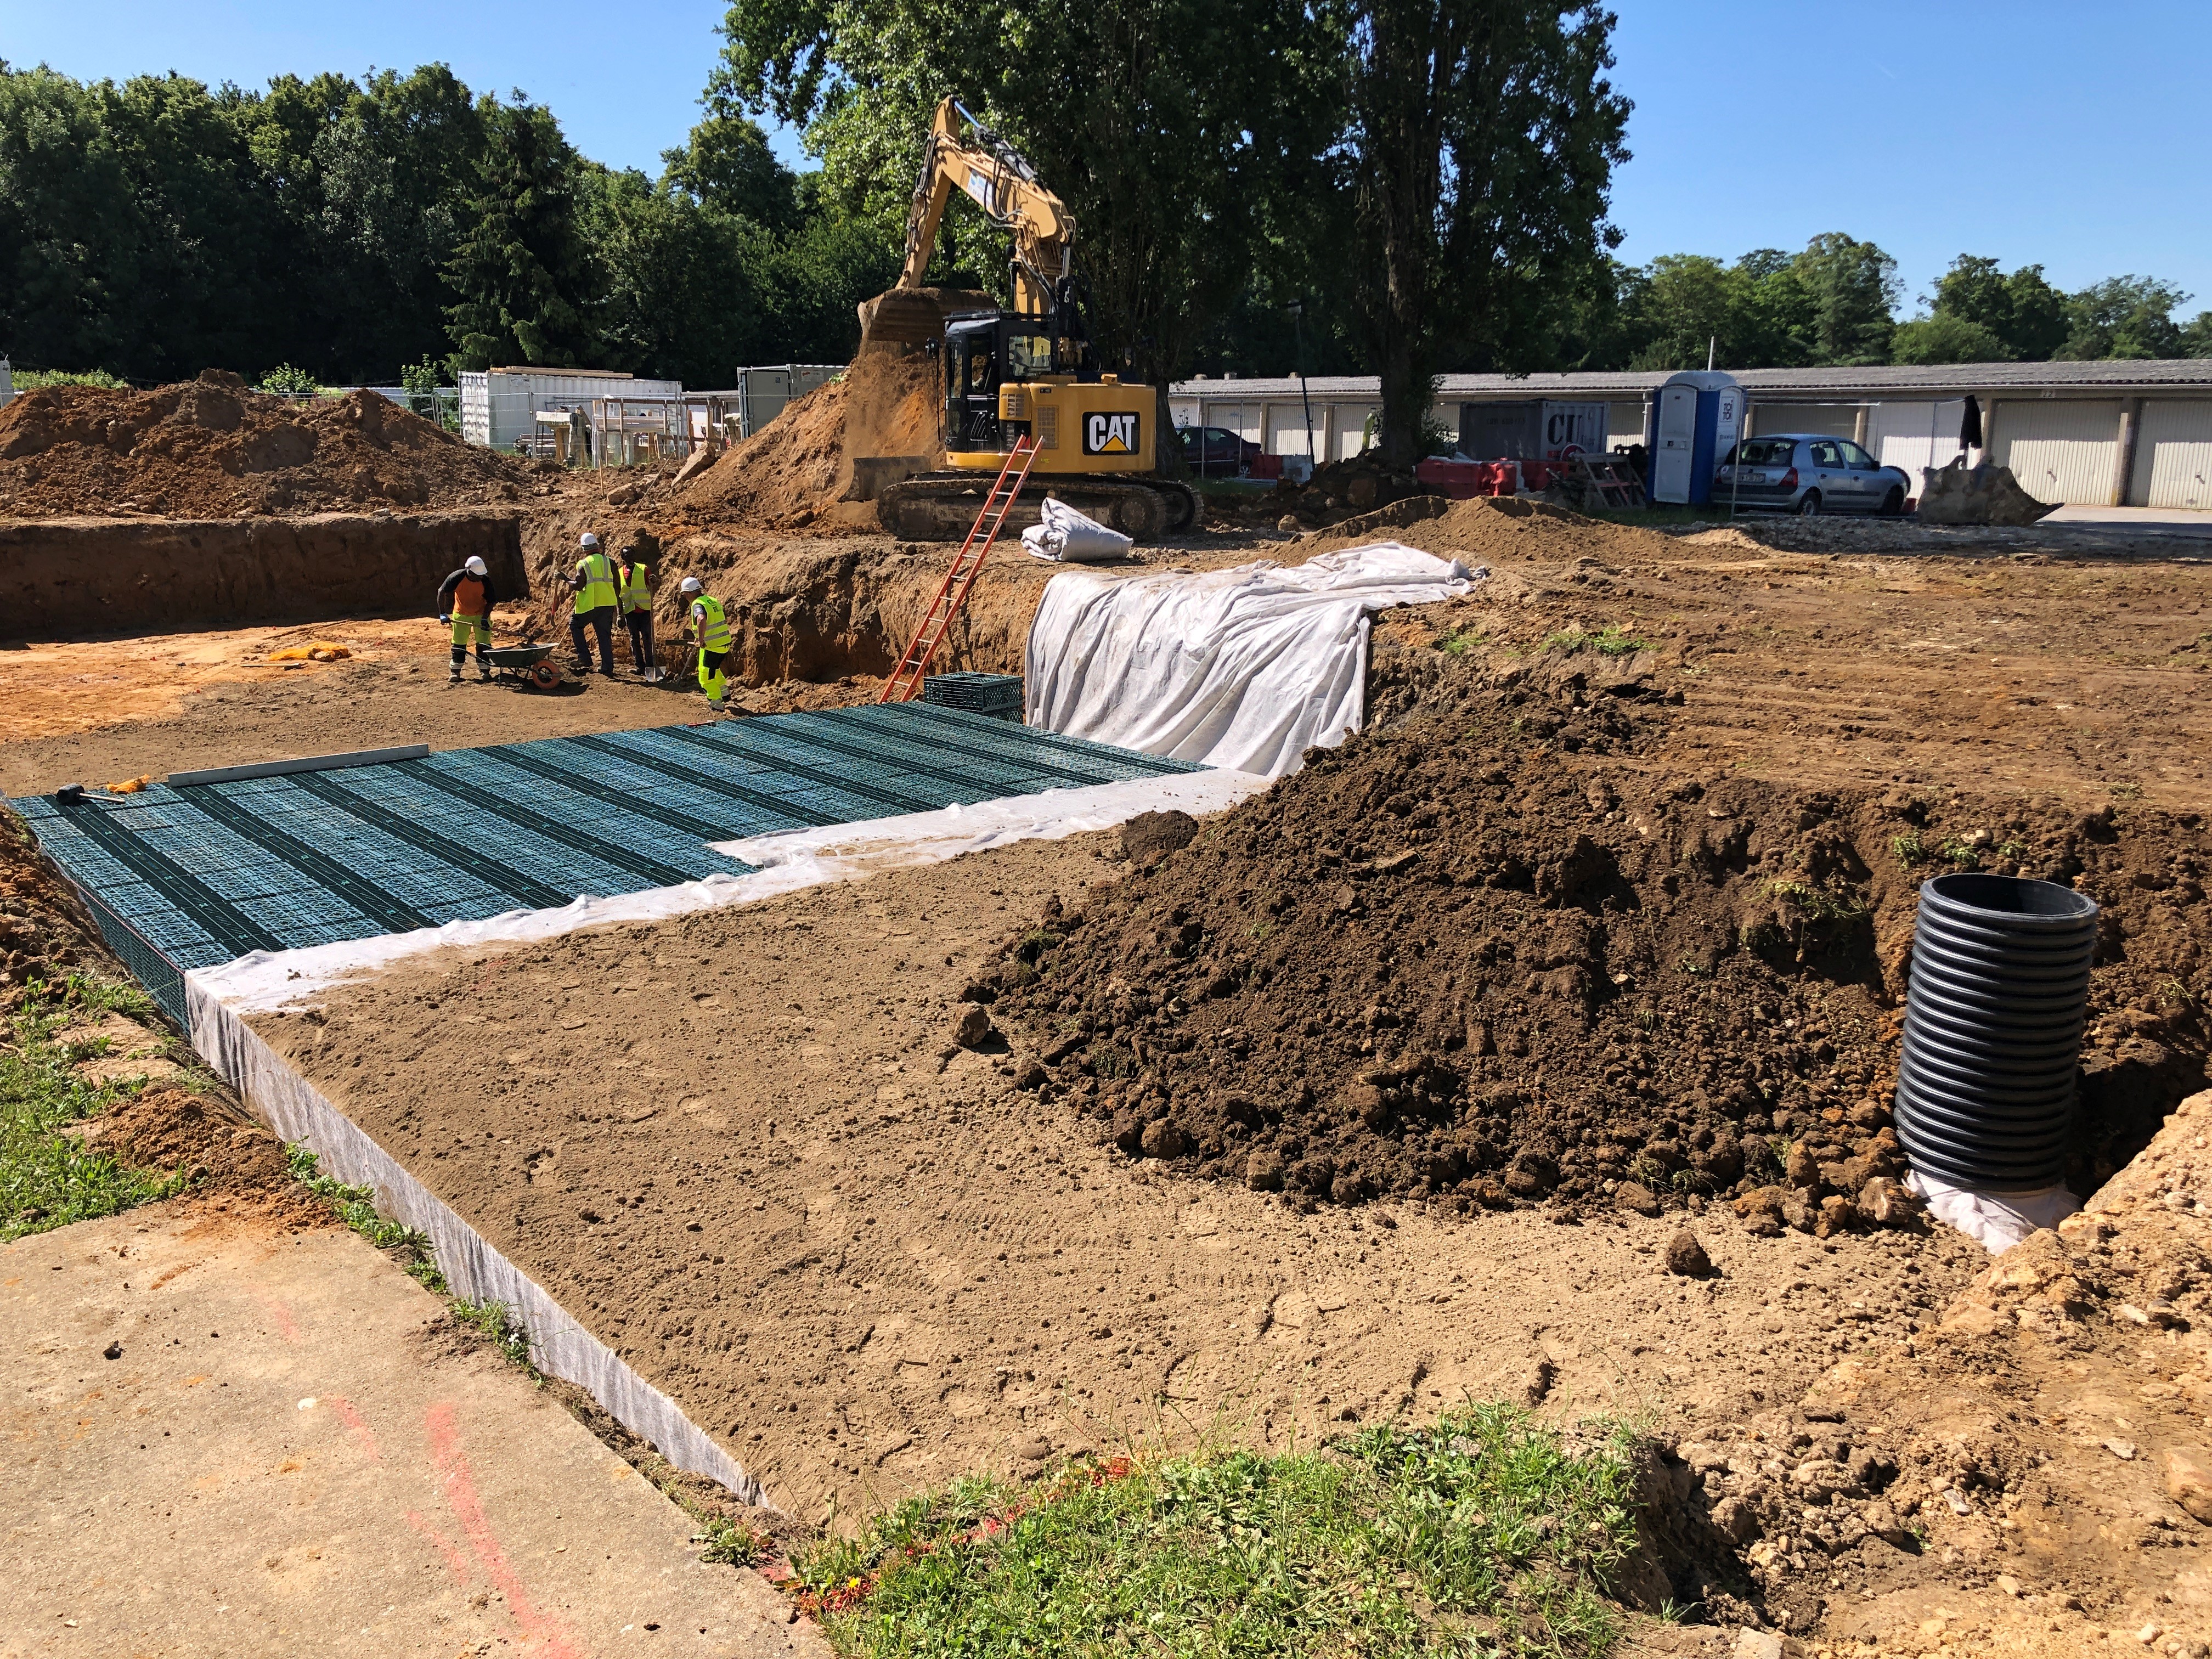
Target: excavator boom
(963, 153)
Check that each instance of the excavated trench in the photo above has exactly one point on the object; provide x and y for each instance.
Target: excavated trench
(70, 577)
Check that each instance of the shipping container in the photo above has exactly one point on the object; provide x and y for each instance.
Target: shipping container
(501, 405)
(761, 392)
(1533, 429)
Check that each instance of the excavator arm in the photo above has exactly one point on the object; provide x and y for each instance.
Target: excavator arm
(963, 153)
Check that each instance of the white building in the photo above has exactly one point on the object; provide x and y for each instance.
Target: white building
(2137, 434)
(502, 405)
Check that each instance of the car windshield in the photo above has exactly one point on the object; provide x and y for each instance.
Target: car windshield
(1762, 451)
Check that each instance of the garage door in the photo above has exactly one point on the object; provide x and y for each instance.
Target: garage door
(2174, 456)
(2061, 451)
(1914, 435)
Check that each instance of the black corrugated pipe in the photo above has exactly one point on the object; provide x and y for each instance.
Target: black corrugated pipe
(1993, 1013)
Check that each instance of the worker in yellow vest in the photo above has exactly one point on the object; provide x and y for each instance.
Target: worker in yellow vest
(705, 621)
(637, 601)
(594, 586)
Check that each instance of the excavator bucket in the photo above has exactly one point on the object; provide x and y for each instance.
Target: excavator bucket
(904, 316)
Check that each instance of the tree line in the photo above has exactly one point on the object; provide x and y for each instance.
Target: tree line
(1398, 187)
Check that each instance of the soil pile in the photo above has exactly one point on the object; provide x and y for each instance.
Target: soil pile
(233, 1161)
(210, 448)
(1496, 957)
(1503, 530)
(794, 472)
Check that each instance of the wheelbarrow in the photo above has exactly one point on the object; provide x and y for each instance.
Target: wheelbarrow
(524, 665)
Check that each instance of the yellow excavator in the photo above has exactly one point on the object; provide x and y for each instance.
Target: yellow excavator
(1030, 372)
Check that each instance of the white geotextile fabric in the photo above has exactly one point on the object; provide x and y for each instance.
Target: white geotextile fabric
(1245, 668)
(1996, 1221)
(265, 980)
(559, 1346)
(1066, 536)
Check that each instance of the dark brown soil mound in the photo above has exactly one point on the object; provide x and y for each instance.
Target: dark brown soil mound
(1491, 958)
(210, 449)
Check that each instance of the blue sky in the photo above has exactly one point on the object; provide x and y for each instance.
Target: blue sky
(2030, 131)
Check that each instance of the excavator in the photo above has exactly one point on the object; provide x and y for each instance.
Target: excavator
(1030, 372)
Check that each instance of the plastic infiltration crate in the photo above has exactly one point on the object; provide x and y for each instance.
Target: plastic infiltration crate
(195, 876)
(996, 695)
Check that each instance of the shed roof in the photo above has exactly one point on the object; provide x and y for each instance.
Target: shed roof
(2103, 378)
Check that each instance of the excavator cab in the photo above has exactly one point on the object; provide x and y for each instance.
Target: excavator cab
(984, 354)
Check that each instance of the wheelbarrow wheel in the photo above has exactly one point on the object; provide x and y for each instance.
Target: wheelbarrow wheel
(544, 676)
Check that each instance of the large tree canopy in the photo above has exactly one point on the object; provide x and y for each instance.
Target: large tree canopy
(1480, 144)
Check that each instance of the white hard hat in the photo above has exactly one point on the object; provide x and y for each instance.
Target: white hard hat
(690, 585)
(590, 540)
(475, 565)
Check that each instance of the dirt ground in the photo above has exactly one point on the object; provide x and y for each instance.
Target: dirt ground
(780, 1077)
(869, 1263)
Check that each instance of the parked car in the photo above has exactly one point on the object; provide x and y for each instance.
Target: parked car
(1216, 451)
(1809, 473)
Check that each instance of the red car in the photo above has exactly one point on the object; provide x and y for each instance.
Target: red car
(1216, 451)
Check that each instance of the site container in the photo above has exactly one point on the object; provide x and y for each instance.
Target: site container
(1532, 430)
(501, 405)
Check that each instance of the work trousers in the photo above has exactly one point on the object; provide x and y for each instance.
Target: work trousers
(476, 629)
(640, 623)
(603, 624)
(710, 672)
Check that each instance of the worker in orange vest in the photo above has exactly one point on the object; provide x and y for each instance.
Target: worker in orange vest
(465, 600)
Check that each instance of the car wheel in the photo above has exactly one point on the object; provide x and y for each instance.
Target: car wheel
(1808, 504)
(1892, 504)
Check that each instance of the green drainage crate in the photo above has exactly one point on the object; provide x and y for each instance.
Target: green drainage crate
(196, 874)
(999, 696)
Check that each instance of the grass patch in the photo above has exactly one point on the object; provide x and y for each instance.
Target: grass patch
(1612, 640)
(1457, 641)
(48, 1178)
(357, 1208)
(1485, 1535)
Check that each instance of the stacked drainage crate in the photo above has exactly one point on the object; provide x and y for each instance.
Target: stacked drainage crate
(999, 696)
(1993, 1017)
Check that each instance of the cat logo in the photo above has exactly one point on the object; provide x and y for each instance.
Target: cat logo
(1109, 435)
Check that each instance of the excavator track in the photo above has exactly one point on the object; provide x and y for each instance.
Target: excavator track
(941, 507)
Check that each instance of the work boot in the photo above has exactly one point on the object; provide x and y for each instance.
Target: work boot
(717, 704)
(484, 675)
(454, 679)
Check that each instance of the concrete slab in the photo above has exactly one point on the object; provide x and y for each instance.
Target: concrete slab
(227, 1439)
(2145, 521)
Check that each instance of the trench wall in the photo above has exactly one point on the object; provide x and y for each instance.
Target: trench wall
(70, 577)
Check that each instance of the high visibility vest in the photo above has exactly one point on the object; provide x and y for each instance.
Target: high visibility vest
(713, 626)
(598, 592)
(635, 594)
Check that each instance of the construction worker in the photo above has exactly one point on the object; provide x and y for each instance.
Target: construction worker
(636, 601)
(706, 622)
(594, 586)
(466, 600)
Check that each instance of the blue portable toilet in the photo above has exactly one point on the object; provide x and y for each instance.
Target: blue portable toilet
(1695, 417)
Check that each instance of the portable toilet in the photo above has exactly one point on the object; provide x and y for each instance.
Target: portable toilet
(1695, 417)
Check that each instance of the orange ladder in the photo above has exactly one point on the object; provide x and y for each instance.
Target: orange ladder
(905, 683)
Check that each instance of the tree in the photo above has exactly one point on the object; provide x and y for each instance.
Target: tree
(2123, 317)
(2197, 338)
(1945, 338)
(1481, 143)
(1852, 287)
(1165, 124)
(725, 164)
(522, 274)
(2022, 311)
(679, 294)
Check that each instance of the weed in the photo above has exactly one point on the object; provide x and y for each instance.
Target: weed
(1910, 851)
(49, 1178)
(498, 1321)
(1690, 966)
(357, 1208)
(1818, 905)
(2014, 850)
(1611, 641)
(2127, 791)
(1957, 852)
(733, 1544)
(2172, 990)
(1391, 1540)
(1259, 930)
(1109, 1062)
(1457, 641)
(1644, 1170)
